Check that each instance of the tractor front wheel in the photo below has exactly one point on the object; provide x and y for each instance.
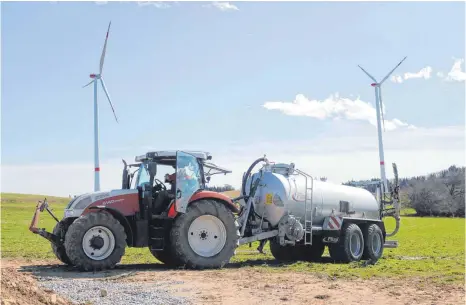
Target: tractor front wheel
(206, 236)
(95, 241)
(59, 250)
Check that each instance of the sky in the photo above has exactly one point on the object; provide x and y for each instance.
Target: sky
(236, 79)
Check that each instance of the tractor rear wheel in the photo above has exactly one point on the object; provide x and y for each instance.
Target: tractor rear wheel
(59, 250)
(95, 241)
(350, 246)
(165, 257)
(206, 236)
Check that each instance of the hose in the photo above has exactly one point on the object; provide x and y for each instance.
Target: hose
(397, 226)
(248, 172)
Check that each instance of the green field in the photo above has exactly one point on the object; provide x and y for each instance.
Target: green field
(430, 248)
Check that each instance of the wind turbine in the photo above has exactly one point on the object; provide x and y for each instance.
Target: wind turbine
(95, 79)
(379, 111)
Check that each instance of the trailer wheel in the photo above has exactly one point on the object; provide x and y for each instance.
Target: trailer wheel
(206, 236)
(281, 253)
(59, 250)
(373, 243)
(95, 241)
(310, 253)
(350, 247)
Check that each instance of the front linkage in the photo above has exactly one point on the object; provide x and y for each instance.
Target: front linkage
(41, 206)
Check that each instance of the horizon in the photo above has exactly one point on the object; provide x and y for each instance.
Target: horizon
(204, 75)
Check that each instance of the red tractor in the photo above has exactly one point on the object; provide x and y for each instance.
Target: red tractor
(182, 226)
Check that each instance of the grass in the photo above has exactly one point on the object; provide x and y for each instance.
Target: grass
(429, 248)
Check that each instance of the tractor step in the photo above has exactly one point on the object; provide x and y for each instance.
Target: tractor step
(157, 238)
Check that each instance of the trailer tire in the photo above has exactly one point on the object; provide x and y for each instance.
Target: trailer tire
(59, 250)
(205, 223)
(112, 237)
(373, 243)
(310, 253)
(350, 246)
(281, 253)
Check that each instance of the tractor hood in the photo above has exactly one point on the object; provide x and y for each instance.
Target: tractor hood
(78, 204)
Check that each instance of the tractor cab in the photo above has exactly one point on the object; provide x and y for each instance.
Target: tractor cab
(186, 173)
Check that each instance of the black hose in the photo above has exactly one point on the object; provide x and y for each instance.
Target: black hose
(248, 172)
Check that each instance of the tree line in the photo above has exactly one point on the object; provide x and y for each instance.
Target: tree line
(437, 194)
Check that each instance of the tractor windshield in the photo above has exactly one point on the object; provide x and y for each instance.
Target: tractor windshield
(188, 178)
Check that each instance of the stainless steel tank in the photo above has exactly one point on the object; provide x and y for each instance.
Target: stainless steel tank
(281, 192)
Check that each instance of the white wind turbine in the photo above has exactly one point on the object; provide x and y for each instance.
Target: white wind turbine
(95, 79)
(379, 111)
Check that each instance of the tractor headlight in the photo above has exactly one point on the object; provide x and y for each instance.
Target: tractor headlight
(83, 203)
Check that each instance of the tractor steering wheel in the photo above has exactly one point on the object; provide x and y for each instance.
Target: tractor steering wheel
(159, 185)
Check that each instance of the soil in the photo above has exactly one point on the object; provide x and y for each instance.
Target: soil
(231, 286)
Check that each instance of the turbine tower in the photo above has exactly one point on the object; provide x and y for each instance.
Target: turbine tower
(95, 78)
(379, 112)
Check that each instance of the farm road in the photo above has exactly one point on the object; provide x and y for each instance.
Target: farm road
(228, 286)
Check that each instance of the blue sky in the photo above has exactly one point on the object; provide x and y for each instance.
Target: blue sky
(193, 76)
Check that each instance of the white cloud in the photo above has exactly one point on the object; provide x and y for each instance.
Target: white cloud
(334, 107)
(101, 2)
(157, 4)
(423, 73)
(223, 6)
(455, 74)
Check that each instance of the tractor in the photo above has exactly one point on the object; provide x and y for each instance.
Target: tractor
(184, 225)
(188, 226)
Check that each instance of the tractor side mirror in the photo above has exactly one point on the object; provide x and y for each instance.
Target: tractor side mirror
(207, 179)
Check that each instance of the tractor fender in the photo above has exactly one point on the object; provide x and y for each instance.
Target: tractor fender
(117, 214)
(224, 199)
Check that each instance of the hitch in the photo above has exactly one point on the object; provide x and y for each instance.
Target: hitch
(40, 207)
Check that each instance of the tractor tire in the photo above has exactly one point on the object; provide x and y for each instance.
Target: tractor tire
(95, 242)
(204, 237)
(350, 246)
(373, 243)
(310, 253)
(165, 257)
(282, 253)
(59, 250)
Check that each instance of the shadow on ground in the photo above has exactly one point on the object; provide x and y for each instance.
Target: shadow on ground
(57, 271)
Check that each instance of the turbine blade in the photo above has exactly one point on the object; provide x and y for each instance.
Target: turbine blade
(388, 75)
(108, 97)
(367, 74)
(381, 108)
(102, 57)
(88, 84)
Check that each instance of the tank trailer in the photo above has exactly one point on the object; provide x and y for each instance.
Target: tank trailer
(188, 226)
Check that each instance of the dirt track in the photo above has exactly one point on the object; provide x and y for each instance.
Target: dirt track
(230, 286)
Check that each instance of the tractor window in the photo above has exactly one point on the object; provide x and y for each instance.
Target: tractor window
(143, 175)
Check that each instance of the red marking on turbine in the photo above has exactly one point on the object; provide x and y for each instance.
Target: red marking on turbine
(97, 169)
(374, 84)
(92, 76)
(382, 163)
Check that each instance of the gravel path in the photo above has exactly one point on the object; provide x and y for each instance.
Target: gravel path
(104, 292)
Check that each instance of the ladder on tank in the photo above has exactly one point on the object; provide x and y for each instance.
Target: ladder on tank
(308, 205)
